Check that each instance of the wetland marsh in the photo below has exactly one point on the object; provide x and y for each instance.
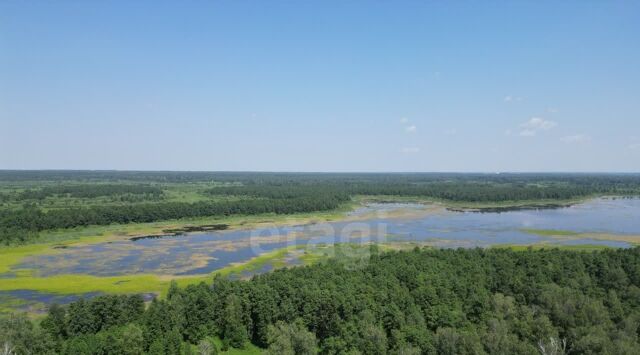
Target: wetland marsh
(241, 253)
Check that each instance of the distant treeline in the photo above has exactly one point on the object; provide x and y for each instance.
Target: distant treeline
(275, 193)
(21, 225)
(90, 191)
(444, 190)
(416, 302)
(271, 178)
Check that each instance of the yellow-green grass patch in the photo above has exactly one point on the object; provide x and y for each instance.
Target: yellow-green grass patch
(571, 235)
(549, 232)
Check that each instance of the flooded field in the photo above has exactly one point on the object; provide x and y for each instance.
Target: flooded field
(600, 222)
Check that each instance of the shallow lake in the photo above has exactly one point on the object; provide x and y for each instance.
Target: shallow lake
(608, 222)
(202, 253)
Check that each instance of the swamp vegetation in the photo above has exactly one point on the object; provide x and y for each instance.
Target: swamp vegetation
(36, 201)
(504, 300)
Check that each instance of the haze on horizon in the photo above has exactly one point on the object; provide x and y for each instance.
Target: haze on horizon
(320, 86)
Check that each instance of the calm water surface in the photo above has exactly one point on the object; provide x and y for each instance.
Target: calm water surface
(205, 252)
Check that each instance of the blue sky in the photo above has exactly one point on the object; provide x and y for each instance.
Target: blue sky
(320, 85)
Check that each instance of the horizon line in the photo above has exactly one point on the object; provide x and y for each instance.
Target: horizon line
(323, 172)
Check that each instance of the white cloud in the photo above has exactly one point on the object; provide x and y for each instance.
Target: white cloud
(576, 138)
(552, 110)
(510, 98)
(409, 128)
(634, 146)
(451, 132)
(410, 150)
(535, 125)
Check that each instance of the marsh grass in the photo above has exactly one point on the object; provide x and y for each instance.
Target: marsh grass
(550, 232)
(305, 255)
(572, 235)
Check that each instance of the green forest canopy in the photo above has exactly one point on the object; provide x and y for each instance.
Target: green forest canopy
(465, 301)
(142, 196)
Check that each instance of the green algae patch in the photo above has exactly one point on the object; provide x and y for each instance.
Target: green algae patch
(296, 255)
(276, 259)
(77, 284)
(550, 232)
(142, 283)
(9, 304)
(346, 253)
(56, 241)
(570, 235)
(10, 256)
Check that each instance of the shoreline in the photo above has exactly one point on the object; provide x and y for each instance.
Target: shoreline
(240, 222)
(54, 241)
(137, 283)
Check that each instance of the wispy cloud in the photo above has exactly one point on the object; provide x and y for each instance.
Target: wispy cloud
(451, 132)
(410, 150)
(576, 139)
(409, 128)
(535, 125)
(510, 98)
(634, 146)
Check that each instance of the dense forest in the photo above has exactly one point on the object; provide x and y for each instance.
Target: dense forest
(89, 191)
(465, 301)
(271, 178)
(23, 214)
(23, 224)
